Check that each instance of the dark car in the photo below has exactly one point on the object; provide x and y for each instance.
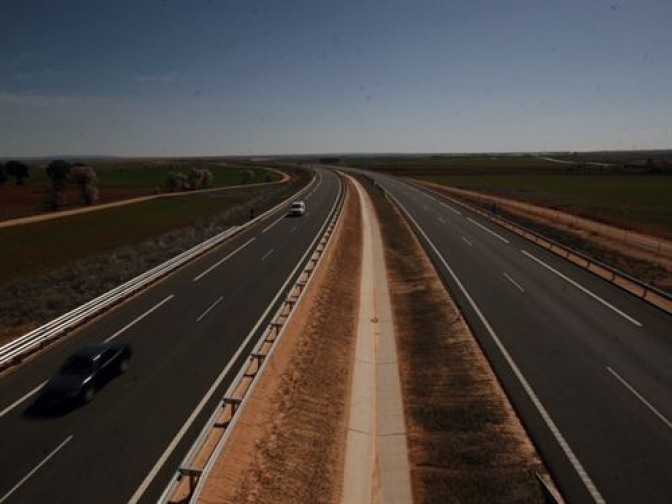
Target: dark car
(84, 372)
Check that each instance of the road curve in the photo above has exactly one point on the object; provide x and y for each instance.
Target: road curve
(587, 365)
(184, 331)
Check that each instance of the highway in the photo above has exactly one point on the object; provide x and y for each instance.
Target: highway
(587, 365)
(190, 333)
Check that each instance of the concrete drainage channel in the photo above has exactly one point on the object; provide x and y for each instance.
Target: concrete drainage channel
(14, 352)
(189, 480)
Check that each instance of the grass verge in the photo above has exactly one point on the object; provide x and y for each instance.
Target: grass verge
(79, 260)
(465, 441)
(639, 202)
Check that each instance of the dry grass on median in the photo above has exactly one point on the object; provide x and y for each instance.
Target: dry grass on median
(465, 442)
(289, 444)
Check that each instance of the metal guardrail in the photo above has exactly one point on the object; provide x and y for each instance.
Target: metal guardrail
(14, 352)
(649, 293)
(189, 479)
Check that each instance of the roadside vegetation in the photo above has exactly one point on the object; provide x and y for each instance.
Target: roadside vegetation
(465, 442)
(48, 268)
(46, 187)
(630, 190)
(633, 201)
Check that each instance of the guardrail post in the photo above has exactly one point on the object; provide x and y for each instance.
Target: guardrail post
(193, 475)
(233, 402)
(258, 359)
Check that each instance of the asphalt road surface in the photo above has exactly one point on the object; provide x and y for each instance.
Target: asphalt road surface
(587, 365)
(189, 335)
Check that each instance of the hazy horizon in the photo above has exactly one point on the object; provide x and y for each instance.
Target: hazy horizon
(269, 77)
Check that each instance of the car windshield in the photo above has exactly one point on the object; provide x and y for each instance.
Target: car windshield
(77, 365)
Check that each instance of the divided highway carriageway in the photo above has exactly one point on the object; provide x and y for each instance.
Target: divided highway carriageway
(587, 365)
(190, 334)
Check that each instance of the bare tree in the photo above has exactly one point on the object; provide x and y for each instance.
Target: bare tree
(87, 180)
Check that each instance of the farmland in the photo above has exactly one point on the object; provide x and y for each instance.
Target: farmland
(640, 202)
(615, 189)
(119, 180)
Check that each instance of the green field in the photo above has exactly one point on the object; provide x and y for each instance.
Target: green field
(154, 174)
(455, 165)
(634, 201)
(613, 194)
(34, 248)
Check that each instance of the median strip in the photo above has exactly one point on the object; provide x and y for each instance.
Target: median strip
(376, 460)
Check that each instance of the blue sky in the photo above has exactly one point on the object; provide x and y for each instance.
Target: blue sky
(253, 77)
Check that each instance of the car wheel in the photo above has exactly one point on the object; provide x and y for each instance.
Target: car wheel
(123, 366)
(88, 394)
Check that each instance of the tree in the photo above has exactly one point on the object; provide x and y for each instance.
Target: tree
(176, 181)
(3, 175)
(199, 178)
(248, 175)
(87, 180)
(58, 172)
(18, 170)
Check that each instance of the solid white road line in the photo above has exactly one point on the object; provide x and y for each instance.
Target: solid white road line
(187, 424)
(293, 229)
(569, 453)
(450, 208)
(36, 389)
(488, 230)
(583, 289)
(442, 221)
(203, 315)
(514, 282)
(222, 260)
(30, 474)
(639, 396)
(467, 242)
(273, 224)
(266, 255)
(19, 401)
(156, 307)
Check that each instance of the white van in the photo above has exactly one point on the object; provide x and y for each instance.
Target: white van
(297, 208)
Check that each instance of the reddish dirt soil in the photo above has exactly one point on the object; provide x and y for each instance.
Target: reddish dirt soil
(289, 443)
(653, 265)
(466, 443)
(18, 201)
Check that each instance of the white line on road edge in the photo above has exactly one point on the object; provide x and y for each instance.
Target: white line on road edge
(569, 453)
(273, 224)
(36, 389)
(156, 307)
(27, 477)
(488, 230)
(266, 255)
(583, 289)
(192, 418)
(514, 282)
(450, 208)
(210, 308)
(467, 242)
(222, 260)
(16, 403)
(639, 396)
